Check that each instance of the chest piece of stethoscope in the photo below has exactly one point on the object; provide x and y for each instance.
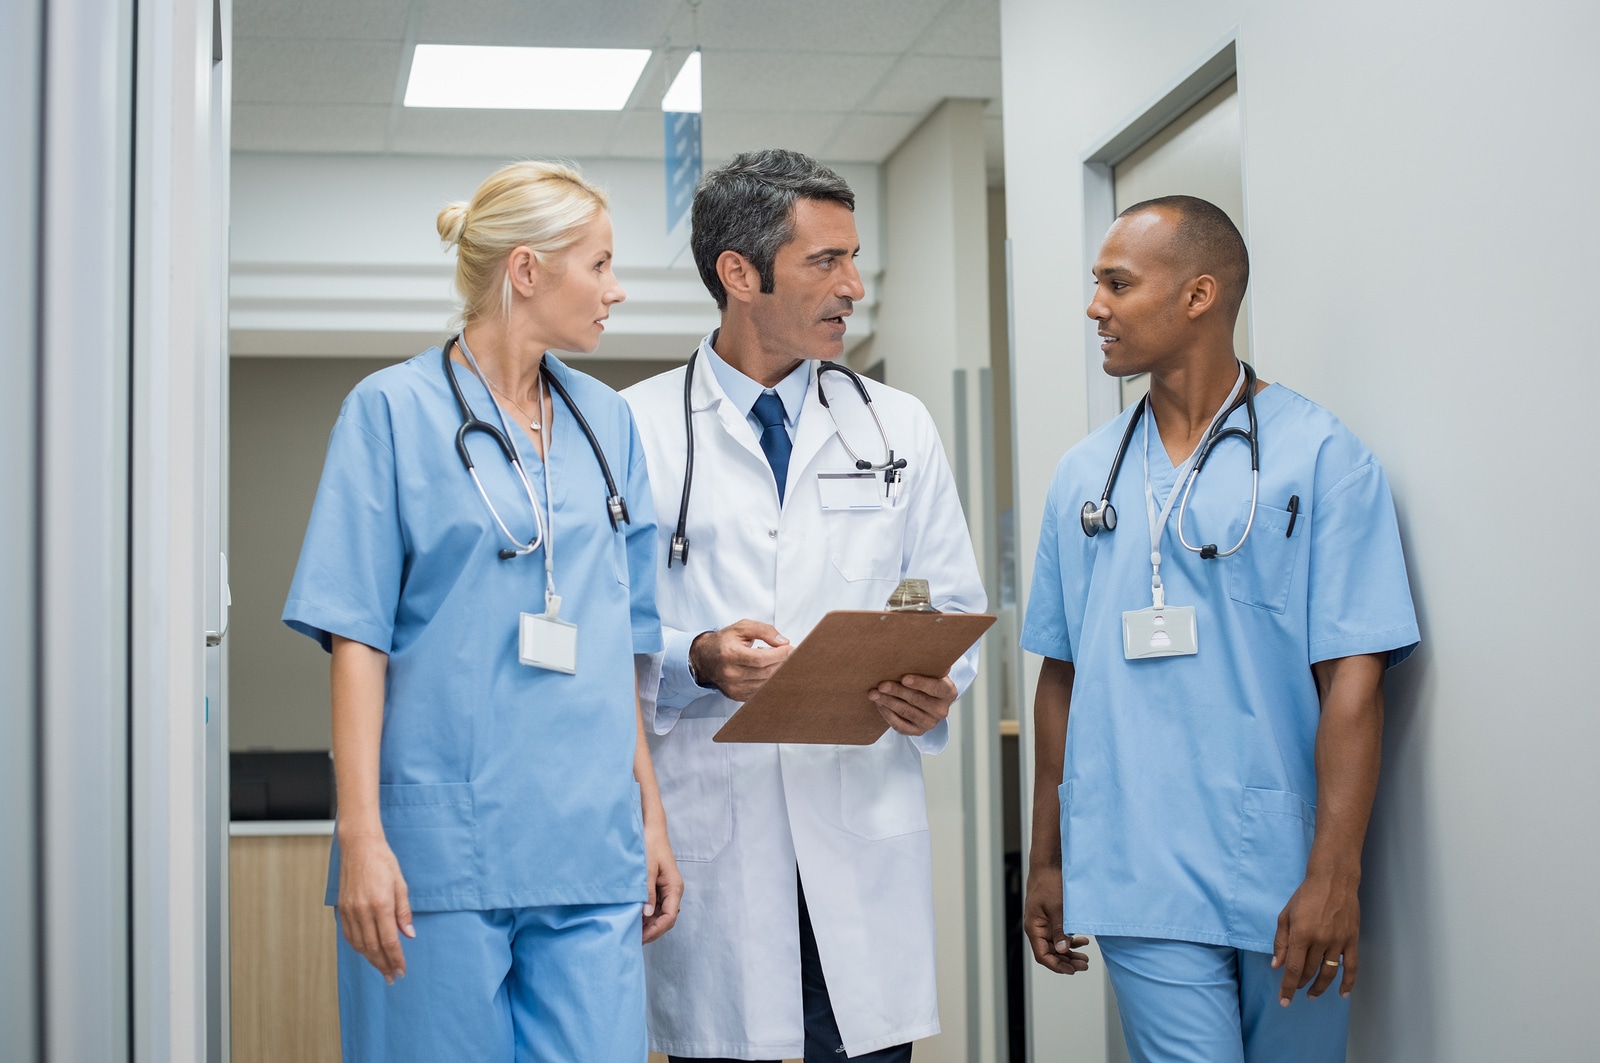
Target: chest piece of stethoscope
(1098, 518)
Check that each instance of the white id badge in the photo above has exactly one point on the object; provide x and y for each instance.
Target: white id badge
(548, 642)
(850, 489)
(1166, 632)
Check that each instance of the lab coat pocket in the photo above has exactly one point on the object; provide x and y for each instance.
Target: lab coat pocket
(881, 793)
(1261, 573)
(429, 826)
(696, 779)
(1275, 832)
(867, 544)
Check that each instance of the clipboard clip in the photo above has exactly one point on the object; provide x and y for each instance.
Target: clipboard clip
(912, 596)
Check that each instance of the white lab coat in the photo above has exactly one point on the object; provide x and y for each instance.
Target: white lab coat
(726, 980)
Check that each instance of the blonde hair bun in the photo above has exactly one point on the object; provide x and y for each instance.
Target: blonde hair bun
(452, 223)
(540, 205)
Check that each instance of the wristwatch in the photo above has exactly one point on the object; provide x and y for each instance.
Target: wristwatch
(694, 674)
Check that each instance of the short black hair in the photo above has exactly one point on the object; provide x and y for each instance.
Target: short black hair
(748, 206)
(1208, 240)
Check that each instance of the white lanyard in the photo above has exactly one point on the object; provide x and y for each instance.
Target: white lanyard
(545, 521)
(1158, 525)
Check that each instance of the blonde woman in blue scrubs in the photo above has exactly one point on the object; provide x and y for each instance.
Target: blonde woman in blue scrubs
(501, 850)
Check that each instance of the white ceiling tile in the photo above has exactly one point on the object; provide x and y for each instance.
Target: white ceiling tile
(371, 20)
(551, 23)
(788, 81)
(814, 26)
(281, 70)
(967, 29)
(919, 82)
(729, 132)
(870, 137)
(308, 127)
(638, 135)
(502, 134)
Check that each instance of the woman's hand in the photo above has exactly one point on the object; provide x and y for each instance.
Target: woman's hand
(664, 885)
(373, 906)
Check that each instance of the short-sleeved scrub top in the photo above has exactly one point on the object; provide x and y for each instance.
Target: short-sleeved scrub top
(1188, 796)
(500, 785)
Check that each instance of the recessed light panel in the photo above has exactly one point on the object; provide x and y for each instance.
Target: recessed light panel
(528, 79)
(683, 97)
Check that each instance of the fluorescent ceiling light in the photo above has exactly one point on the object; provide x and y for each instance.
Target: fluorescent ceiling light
(532, 79)
(684, 95)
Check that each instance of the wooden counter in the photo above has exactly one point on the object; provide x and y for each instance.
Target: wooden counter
(285, 982)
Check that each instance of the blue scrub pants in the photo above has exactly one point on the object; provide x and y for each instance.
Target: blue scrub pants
(1185, 1002)
(552, 984)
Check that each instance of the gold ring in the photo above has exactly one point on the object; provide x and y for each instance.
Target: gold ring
(1330, 963)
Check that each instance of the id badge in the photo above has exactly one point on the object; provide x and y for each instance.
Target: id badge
(1166, 632)
(849, 490)
(548, 642)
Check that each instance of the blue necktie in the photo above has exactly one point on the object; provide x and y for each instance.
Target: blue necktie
(775, 441)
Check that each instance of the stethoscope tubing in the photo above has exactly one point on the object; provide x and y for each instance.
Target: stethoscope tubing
(616, 505)
(1096, 519)
(678, 548)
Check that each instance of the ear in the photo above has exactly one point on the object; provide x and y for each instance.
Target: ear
(1200, 297)
(522, 268)
(739, 276)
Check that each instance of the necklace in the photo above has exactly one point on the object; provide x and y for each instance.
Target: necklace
(535, 423)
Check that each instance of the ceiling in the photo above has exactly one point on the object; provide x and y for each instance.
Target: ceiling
(843, 80)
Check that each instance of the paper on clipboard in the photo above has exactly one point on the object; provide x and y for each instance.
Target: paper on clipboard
(819, 694)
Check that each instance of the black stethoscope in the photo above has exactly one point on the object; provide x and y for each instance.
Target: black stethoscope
(891, 467)
(616, 505)
(1103, 517)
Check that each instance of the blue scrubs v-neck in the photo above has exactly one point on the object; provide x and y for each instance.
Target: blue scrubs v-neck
(1188, 796)
(500, 785)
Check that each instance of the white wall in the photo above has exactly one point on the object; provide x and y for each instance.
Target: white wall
(932, 321)
(1419, 185)
(337, 254)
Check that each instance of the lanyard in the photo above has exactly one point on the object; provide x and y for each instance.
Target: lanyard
(545, 520)
(1158, 525)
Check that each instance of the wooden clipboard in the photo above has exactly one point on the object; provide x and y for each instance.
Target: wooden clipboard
(819, 694)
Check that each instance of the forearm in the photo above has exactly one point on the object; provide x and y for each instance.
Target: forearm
(1052, 702)
(644, 773)
(358, 681)
(1349, 748)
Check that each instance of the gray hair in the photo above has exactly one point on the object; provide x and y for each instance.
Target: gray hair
(747, 206)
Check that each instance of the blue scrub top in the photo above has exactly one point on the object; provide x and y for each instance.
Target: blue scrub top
(500, 785)
(1188, 797)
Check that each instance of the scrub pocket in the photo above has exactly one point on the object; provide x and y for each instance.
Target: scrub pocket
(1262, 572)
(881, 793)
(867, 544)
(1275, 832)
(429, 828)
(696, 780)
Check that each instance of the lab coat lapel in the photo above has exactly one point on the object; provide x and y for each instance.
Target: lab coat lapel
(708, 395)
(816, 427)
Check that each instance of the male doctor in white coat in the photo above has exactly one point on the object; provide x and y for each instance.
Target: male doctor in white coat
(807, 919)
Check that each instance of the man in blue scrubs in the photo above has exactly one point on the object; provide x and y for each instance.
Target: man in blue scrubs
(1226, 706)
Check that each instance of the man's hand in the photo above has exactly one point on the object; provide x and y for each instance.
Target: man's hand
(731, 661)
(1321, 923)
(1041, 921)
(915, 705)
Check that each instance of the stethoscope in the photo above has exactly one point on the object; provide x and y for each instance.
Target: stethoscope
(616, 505)
(1103, 517)
(892, 467)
